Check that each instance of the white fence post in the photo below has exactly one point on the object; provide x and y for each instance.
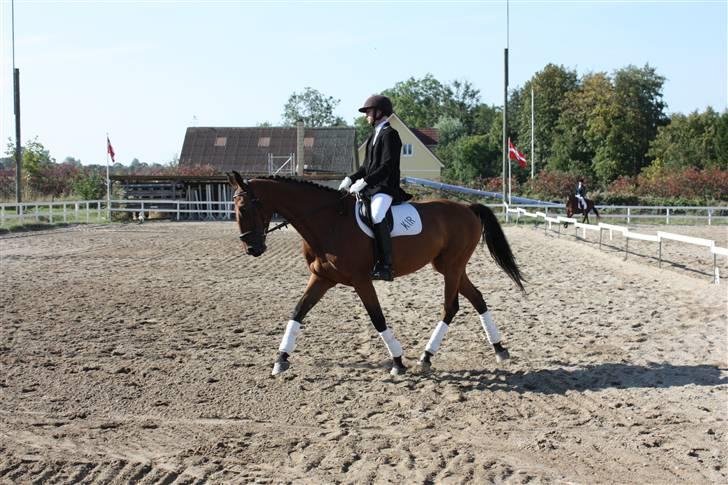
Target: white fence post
(628, 215)
(668, 216)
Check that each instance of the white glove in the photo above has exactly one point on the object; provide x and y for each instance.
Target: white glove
(345, 184)
(358, 186)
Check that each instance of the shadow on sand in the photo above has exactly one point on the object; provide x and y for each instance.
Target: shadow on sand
(589, 378)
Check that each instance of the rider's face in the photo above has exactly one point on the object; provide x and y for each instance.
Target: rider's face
(371, 116)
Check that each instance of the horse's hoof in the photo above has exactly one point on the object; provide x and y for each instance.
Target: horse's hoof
(502, 356)
(425, 364)
(397, 371)
(398, 367)
(280, 367)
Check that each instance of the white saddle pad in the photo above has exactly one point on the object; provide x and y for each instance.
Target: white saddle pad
(407, 221)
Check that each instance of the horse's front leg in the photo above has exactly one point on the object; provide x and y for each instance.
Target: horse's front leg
(368, 296)
(315, 290)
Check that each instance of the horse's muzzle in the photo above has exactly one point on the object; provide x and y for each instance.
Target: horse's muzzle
(256, 251)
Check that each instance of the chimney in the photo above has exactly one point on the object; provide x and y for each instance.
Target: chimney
(299, 148)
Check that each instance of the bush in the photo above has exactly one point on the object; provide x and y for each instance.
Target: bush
(89, 185)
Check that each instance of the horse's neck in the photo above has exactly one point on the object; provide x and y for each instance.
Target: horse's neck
(299, 204)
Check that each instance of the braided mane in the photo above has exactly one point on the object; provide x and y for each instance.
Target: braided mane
(288, 180)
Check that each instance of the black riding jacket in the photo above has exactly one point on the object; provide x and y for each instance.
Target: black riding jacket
(380, 169)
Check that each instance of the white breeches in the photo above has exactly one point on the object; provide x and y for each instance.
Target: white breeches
(380, 205)
(582, 202)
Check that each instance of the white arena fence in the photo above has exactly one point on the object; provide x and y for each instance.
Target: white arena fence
(97, 211)
(627, 234)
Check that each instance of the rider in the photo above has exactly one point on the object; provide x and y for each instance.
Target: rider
(378, 178)
(581, 193)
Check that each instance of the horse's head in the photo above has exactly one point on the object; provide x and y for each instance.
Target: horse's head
(252, 218)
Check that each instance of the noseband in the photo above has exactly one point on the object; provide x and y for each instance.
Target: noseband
(254, 202)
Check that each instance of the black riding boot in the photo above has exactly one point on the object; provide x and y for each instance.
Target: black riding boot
(383, 241)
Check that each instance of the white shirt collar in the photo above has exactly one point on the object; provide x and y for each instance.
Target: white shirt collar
(378, 129)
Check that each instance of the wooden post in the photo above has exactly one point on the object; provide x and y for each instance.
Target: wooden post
(600, 238)
(659, 253)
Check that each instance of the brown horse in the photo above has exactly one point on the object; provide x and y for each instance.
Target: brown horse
(572, 207)
(338, 252)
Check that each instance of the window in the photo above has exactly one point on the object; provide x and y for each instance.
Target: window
(264, 141)
(407, 150)
(308, 142)
(220, 141)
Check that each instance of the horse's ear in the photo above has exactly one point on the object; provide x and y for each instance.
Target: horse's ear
(236, 180)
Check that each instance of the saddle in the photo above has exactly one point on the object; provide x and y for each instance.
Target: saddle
(402, 219)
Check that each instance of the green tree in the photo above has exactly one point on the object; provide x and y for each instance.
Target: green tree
(35, 160)
(688, 141)
(461, 103)
(471, 157)
(89, 185)
(584, 124)
(449, 130)
(642, 111)
(551, 87)
(419, 102)
(721, 141)
(313, 108)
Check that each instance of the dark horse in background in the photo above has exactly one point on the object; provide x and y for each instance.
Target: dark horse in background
(572, 207)
(338, 252)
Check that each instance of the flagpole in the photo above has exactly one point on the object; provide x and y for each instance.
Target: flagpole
(505, 113)
(533, 137)
(108, 182)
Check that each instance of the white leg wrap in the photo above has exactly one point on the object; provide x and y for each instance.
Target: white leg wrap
(491, 331)
(395, 349)
(289, 338)
(436, 338)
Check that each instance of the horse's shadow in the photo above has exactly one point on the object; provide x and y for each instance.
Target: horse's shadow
(589, 378)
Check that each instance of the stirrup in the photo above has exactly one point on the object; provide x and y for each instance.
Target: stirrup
(381, 272)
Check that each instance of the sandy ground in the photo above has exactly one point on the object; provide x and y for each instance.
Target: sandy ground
(142, 353)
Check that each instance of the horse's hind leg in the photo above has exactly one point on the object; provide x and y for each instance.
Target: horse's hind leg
(449, 309)
(469, 291)
(315, 290)
(368, 296)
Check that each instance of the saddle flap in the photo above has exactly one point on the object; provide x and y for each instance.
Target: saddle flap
(402, 219)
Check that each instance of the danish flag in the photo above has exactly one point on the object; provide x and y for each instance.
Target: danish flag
(514, 154)
(110, 149)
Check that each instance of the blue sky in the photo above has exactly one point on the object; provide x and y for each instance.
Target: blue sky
(141, 70)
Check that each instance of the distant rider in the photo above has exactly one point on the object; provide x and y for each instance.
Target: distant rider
(581, 194)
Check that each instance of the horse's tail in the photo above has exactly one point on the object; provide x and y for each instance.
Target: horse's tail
(493, 236)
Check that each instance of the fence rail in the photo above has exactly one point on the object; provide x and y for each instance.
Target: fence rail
(96, 211)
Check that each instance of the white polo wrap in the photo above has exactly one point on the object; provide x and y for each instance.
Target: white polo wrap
(436, 338)
(395, 349)
(491, 331)
(289, 338)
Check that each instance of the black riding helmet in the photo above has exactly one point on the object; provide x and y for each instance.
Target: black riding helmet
(382, 103)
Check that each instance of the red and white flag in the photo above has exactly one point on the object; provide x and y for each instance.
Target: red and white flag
(110, 149)
(514, 154)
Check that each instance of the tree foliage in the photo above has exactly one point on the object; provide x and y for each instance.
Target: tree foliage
(313, 108)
